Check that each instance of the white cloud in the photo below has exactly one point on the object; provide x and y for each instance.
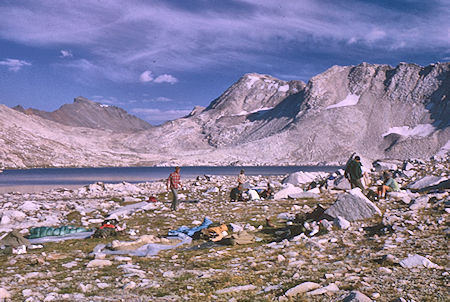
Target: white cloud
(106, 100)
(146, 76)
(161, 99)
(166, 78)
(82, 64)
(157, 116)
(14, 64)
(110, 101)
(176, 39)
(352, 40)
(66, 53)
(99, 69)
(375, 35)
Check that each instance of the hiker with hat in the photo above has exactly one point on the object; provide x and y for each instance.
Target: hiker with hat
(174, 183)
(353, 173)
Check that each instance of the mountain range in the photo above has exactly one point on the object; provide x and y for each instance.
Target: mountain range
(378, 111)
(89, 114)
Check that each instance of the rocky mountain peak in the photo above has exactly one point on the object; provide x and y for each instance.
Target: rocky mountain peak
(338, 82)
(86, 113)
(83, 100)
(197, 110)
(20, 108)
(251, 93)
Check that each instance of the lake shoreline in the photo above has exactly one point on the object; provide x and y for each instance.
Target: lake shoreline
(41, 179)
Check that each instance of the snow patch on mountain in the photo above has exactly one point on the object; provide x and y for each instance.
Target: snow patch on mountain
(420, 130)
(260, 110)
(443, 152)
(251, 80)
(350, 100)
(283, 88)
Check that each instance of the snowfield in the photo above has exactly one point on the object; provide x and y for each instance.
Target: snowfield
(419, 130)
(350, 100)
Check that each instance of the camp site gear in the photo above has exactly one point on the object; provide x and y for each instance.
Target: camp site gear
(191, 231)
(117, 245)
(108, 229)
(107, 225)
(112, 221)
(105, 232)
(242, 237)
(215, 233)
(14, 239)
(50, 231)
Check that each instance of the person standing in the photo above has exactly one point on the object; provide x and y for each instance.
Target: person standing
(174, 183)
(353, 173)
(241, 177)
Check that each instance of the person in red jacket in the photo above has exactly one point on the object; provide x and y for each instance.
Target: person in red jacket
(174, 183)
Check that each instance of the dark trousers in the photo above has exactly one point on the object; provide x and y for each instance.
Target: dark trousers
(356, 183)
(174, 199)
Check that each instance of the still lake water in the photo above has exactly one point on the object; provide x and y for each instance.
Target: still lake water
(34, 180)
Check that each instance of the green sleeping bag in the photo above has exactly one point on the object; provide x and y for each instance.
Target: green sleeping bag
(50, 231)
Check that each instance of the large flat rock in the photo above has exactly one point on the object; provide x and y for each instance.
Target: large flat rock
(352, 206)
(288, 190)
(426, 182)
(299, 178)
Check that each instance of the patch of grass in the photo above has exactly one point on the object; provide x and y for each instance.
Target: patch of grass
(68, 290)
(116, 199)
(74, 218)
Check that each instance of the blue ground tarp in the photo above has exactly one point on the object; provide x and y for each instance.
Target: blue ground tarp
(191, 231)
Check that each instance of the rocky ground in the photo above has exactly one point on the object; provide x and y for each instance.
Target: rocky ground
(337, 261)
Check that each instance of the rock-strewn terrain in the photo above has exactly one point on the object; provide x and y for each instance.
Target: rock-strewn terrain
(376, 110)
(400, 255)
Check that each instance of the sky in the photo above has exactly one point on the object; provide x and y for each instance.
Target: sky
(158, 59)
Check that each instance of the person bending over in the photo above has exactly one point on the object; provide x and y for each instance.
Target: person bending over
(236, 193)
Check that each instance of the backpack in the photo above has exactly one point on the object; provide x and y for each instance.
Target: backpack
(105, 233)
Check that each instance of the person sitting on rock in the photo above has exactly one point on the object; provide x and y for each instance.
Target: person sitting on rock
(267, 193)
(312, 185)
(236, 193)
(388, 185)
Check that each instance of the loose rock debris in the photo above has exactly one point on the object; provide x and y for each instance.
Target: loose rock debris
(292, 247)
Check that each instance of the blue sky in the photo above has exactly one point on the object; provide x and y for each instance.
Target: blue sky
(159, 59)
